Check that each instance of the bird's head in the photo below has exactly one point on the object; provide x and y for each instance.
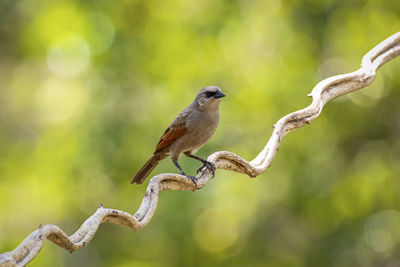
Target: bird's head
(209, 97)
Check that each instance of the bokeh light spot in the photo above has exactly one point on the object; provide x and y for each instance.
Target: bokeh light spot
(59, 100)
(216, 230)
(101, 34)
(69, 57)
(382, 230)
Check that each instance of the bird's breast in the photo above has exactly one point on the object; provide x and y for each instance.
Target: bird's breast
(201, 126)
(203, 122)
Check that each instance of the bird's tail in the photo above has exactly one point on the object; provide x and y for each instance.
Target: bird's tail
(146, 169)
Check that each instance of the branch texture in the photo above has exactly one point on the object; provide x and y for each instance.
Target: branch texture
(322, 93)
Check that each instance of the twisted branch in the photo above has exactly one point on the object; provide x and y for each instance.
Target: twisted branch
(323, 92)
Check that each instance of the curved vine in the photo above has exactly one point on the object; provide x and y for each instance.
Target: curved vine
(322, 93)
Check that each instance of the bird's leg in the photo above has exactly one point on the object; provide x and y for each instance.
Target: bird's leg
(182, 173)
(206, 163)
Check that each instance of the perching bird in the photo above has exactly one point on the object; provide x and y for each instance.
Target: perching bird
(187, 133)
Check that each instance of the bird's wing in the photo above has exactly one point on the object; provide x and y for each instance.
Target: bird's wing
(174, 131)
(170, 136)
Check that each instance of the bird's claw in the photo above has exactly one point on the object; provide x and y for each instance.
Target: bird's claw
(208, 165)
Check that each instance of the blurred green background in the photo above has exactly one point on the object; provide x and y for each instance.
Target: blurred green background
(88, 87)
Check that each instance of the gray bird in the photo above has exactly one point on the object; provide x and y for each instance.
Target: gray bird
(187, 133)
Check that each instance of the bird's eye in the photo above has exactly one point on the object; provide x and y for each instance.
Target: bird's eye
(210, 94)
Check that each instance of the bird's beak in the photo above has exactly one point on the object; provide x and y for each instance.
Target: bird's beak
(219, 94)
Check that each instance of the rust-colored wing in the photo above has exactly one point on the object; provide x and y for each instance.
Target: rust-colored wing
(170, 136)
(176, 129)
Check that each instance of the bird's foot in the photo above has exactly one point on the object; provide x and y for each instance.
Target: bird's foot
(194, 180)
(208, 165)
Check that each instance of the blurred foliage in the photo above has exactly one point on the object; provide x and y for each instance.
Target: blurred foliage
(87, 88)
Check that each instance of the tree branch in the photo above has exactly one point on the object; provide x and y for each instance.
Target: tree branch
(322, 93)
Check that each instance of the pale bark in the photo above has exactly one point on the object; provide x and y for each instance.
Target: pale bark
(323, 92)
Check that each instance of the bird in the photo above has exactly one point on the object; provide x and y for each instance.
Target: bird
(187, 133)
